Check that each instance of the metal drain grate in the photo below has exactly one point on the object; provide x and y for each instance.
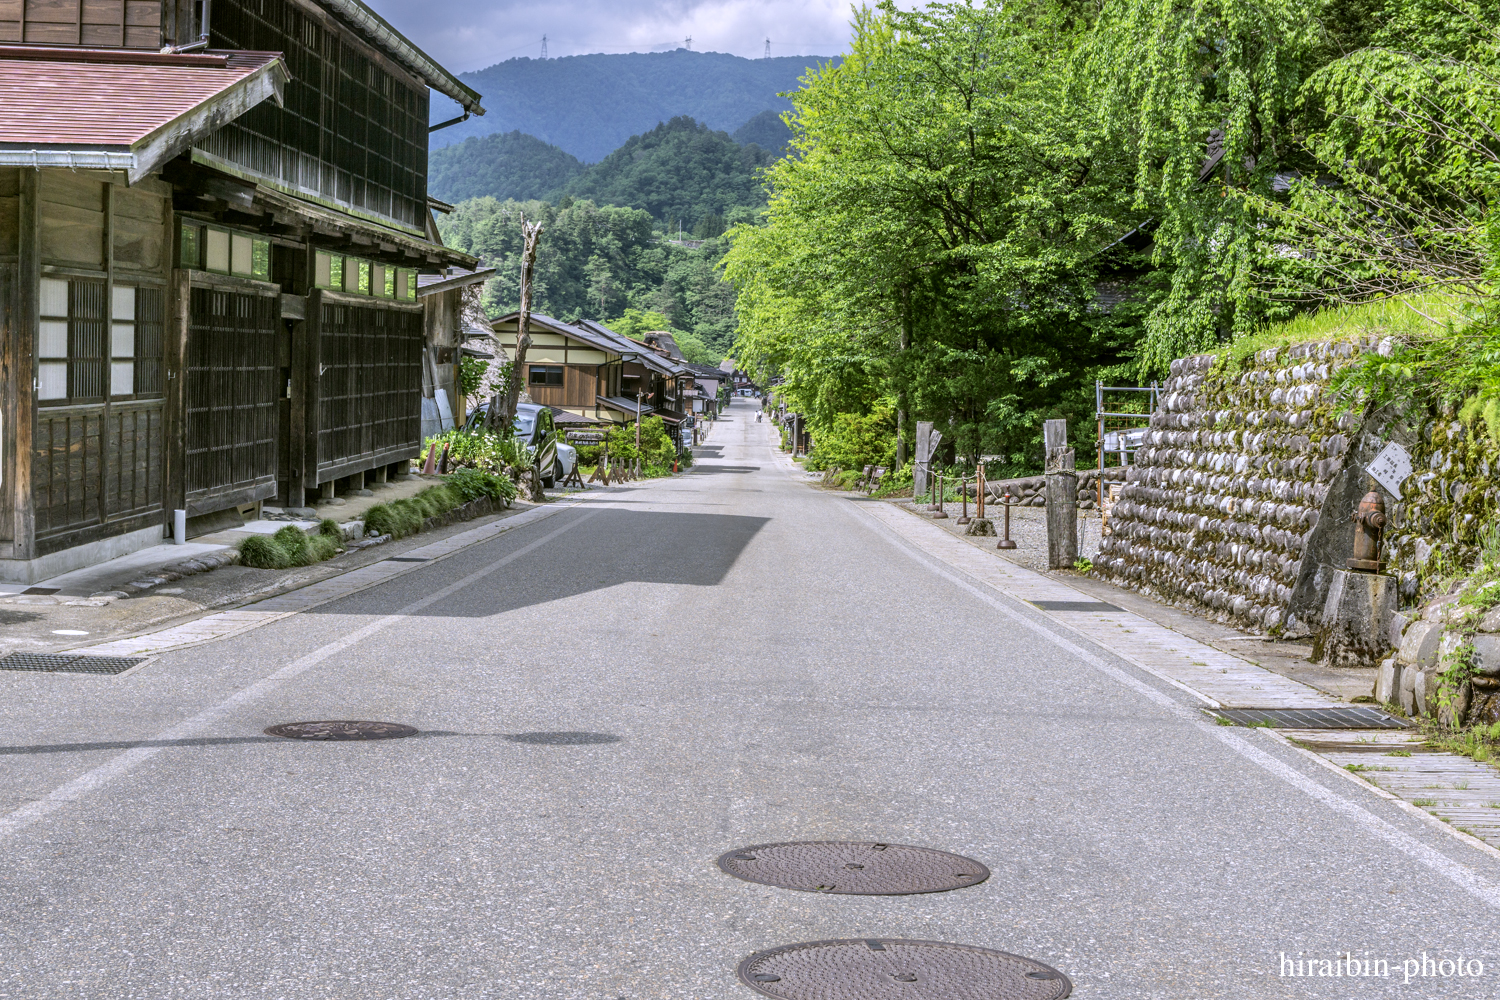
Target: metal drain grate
(862, 969)
(409, 559)
(1342, 717)
(339, 730)
(853, 867)
(69, 663)
(1074, 606)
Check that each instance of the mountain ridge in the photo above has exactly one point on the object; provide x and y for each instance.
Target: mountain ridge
(589, 105)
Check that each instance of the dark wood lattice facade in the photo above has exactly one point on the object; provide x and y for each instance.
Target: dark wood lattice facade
(173, 344)
(369, 392)
(352, 128)
(231, 412)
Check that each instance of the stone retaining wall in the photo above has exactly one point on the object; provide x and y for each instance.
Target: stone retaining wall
(1239, 470)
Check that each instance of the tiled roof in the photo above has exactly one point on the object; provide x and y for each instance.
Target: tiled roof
(138, 103)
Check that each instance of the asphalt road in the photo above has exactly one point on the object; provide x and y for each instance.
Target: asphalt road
(758, 662)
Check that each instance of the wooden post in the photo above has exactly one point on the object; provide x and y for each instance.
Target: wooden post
(311, 380)
(19, 370)
(1062, 497)
(174, 418)
(980, 491)
(919, 461)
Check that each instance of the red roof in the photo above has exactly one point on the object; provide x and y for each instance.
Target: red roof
(61, 97)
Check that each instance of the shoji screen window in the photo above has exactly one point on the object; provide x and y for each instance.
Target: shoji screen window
(52, 342)
(70, 340)
(122, 342)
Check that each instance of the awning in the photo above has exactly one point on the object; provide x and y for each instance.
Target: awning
(123, 110)
(561, 416)
(670, 418)
(625, 405)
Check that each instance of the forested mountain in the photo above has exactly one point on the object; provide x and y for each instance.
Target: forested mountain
(765, 130)
(681, 172)
(503, 165)
(596, 262)
(589, 105)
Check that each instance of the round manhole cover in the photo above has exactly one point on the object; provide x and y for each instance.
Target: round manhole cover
(864, 869)
(876, 969)
(341, 730)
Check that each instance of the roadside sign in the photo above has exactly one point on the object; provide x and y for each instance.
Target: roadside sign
(585, 437)
(1391, 468)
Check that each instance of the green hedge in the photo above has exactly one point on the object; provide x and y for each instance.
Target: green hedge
(290, 546)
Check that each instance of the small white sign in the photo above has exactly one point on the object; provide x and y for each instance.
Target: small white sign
(1391, 467)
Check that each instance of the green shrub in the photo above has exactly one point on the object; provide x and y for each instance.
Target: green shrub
(262, 552)
(291, 539)
(473, 484)
(397, 519)
(315, 549)
(331, 528)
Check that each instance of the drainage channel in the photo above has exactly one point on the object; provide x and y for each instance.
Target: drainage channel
(864, 968)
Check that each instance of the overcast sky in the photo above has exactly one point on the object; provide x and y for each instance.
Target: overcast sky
(465, 35)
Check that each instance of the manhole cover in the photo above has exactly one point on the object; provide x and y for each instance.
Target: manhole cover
(564, 739)
(69, 663)
(341, 730)
(873, 969)
(1343, 717)
(862, 869)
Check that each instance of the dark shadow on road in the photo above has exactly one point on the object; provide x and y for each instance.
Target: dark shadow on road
(612, 547)
(8, 617)
(555, 739)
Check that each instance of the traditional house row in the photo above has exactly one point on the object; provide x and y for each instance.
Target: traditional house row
(213, 219)
(588, 370)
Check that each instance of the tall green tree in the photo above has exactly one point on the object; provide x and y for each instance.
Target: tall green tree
(940, 236)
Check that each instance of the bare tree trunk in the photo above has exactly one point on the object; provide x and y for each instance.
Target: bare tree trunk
(503, 405)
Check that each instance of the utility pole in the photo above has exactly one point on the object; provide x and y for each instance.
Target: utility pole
(502, 410)
(638, 396)
(689, 43)
(544, 46)
(768, 48)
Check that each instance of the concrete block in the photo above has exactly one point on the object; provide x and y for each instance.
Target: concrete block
(1355, 631)
(1486, 657)
(1420, 695)
(1406, 685)
(1388, 681)
(1419, 646)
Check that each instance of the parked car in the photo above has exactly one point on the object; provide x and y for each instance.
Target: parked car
(534, 425)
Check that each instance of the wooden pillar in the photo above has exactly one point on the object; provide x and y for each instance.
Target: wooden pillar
(303, 435)
(20, 373)
(174, 418)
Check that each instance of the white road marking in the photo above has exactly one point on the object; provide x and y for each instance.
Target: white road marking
(1482, 889)
(124, 763)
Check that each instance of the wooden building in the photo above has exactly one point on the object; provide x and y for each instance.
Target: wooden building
(210, 237)
(587, 369)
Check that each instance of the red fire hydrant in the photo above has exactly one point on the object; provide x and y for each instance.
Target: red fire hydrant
(1369, 522)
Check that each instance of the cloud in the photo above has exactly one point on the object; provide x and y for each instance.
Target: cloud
(464, 36)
